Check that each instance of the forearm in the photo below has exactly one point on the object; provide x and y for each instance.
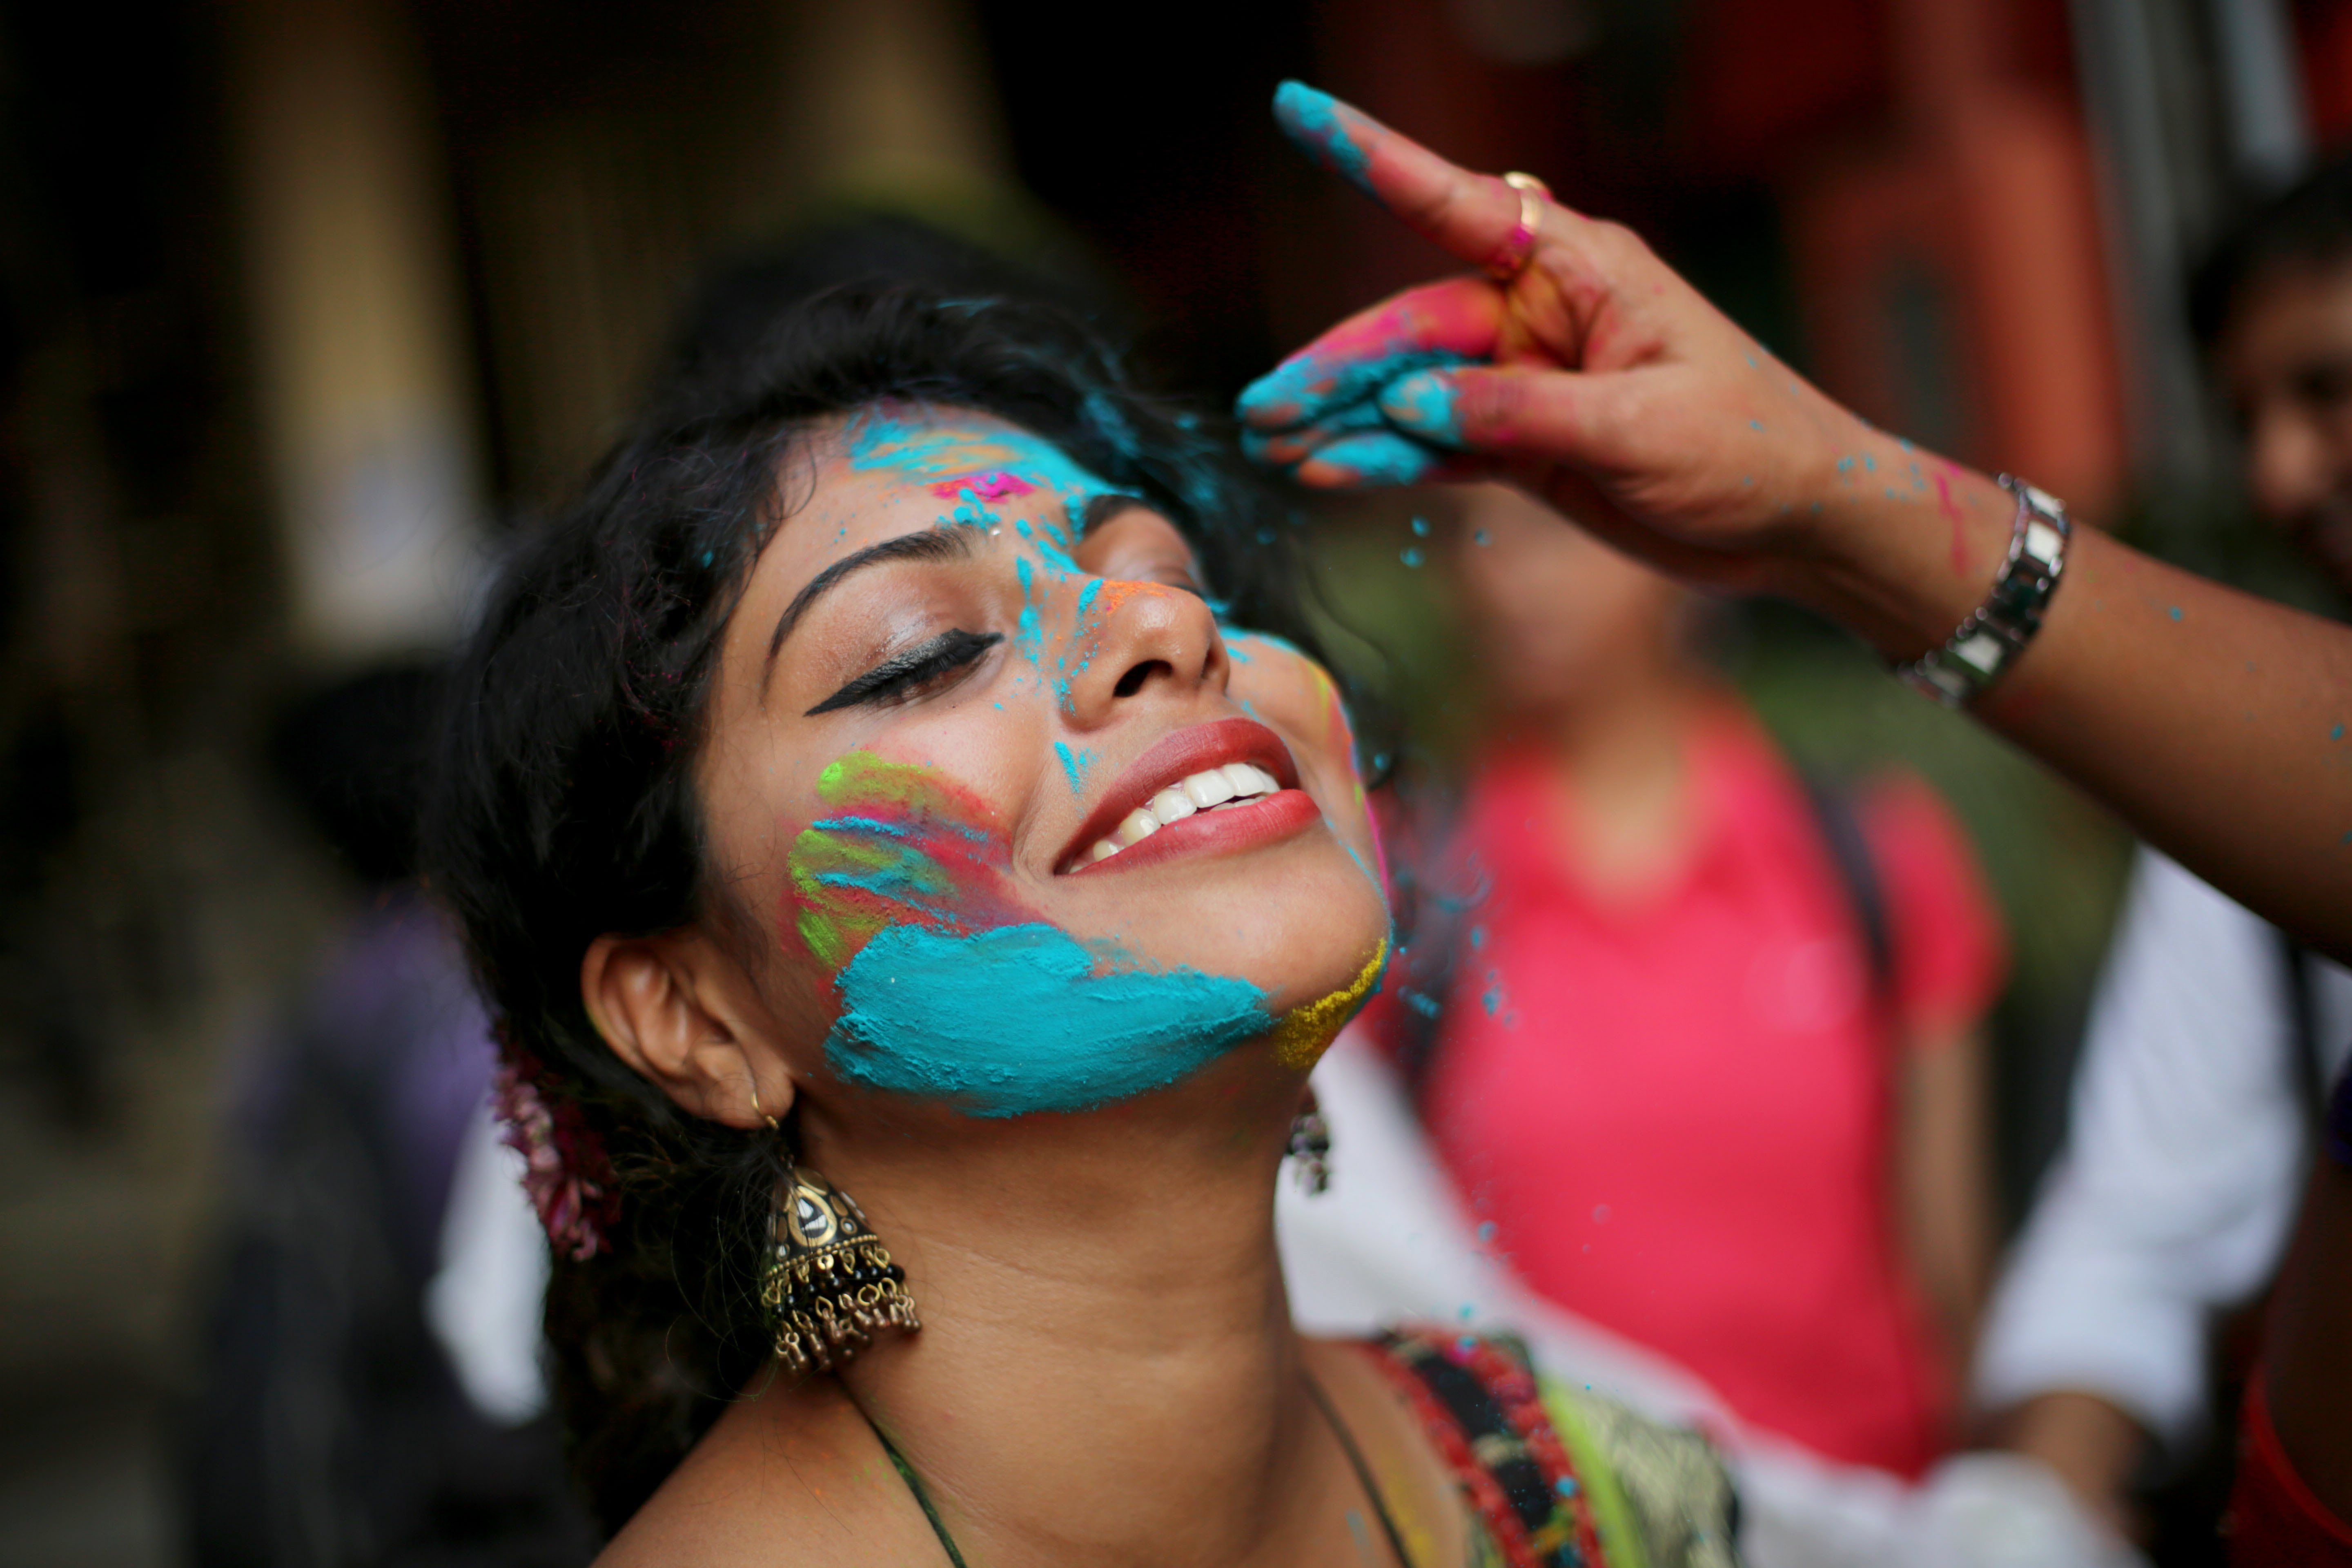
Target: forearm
(1588, 370)
(2090, 1444)
(2214, 724)
(1944, 1189)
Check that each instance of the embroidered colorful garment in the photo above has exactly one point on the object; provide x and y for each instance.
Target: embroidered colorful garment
(1557, 1477)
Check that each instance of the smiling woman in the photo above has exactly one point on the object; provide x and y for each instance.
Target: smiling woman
(863, 778)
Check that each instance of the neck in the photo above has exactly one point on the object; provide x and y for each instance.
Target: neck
(1098, 1292)
(1620, 753)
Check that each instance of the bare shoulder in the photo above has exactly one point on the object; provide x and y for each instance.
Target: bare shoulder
(791, 1477)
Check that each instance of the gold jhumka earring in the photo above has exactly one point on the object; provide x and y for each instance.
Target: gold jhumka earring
(827, 1285)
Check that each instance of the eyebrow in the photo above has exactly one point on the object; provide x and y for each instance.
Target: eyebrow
(930, 544)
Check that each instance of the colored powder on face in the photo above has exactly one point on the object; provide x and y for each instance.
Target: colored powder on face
(1410, 555)
(993, 485)
(2175, 611)
(1074, 765)
(1307, 1030)
(2336, 734)
(1087, 598)
(1482, 537)
(1313, 119)
(1016, 1021)
(902, 846)
(974, 461)
(1421, 528)
(1029, 632)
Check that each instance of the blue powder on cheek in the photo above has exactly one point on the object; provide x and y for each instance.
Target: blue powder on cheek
(1016, 1021)
(1311, 119)
(1073, 765)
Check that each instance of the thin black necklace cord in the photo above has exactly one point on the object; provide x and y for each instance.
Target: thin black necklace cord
(915, 1485)
(1314, 1391)
(1363, 1471)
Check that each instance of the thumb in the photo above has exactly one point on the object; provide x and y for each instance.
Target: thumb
(1560, 416)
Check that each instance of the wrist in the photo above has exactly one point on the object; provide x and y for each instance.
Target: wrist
(1901, 566)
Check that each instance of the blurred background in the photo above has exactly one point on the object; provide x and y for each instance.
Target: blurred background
(304, 303)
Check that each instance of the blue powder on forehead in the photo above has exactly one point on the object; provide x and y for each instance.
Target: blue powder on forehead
(1016, 1021)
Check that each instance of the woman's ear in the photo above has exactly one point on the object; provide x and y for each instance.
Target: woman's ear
(684, 1015)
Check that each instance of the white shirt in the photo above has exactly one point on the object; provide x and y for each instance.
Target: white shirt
(2183, 1164)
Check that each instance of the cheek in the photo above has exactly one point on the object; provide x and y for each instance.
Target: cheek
(1277, 685)
(895, 843)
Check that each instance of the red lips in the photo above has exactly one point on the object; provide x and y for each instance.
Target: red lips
(1176, 756)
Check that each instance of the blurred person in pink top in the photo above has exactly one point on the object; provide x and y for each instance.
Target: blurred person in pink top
(1697, 1039)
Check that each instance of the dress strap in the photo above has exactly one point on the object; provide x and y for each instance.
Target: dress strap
(1478, 1399)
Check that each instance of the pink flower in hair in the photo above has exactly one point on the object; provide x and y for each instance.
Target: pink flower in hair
(562, 1162)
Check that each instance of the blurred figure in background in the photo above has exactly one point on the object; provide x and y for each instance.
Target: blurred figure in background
(349, 1409)
(1701, 1046)
(2213, 1033)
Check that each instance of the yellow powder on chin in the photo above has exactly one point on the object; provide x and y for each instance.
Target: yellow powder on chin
(1307, 1030)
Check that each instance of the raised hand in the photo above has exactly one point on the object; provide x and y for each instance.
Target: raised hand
(1594, 375)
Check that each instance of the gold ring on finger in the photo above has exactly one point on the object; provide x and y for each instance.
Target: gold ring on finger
(1518, 246)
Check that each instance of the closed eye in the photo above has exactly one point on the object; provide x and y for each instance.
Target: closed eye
(913, 671)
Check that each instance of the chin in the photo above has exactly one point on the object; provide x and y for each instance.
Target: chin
(1300, 927)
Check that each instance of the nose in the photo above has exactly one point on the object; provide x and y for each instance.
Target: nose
(1134, 640)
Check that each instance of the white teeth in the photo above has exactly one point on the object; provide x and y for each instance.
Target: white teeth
(1210, 788)
(1171, 805)
(1249, 780)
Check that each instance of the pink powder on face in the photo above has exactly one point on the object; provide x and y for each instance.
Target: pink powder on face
(993, 485)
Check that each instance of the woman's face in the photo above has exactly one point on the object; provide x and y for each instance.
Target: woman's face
(1025, 828)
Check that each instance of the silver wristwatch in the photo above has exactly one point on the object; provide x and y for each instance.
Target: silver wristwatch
(1998, 629)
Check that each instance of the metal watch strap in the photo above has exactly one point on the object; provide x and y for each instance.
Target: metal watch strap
(1997, 630)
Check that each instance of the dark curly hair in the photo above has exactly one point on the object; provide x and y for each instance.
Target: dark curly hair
(564, 806)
